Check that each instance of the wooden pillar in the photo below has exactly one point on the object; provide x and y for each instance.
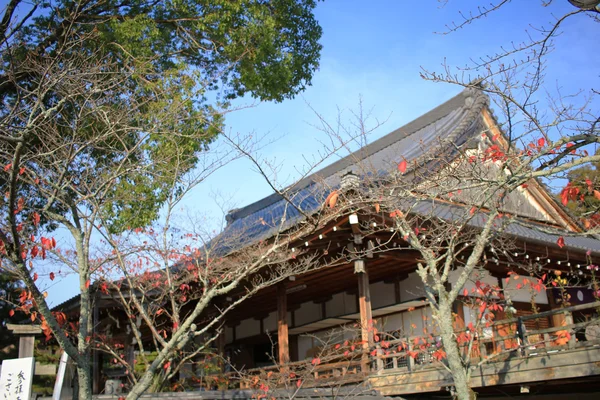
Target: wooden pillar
(26, 346)
(282, 326)
(26, 335)
(559, 318)
(366, 315)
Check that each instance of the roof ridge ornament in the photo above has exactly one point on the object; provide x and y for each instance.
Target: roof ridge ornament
(350, 181)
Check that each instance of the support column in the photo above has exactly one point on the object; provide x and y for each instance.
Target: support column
(26, 335)
(557, 319)
(26, 346)
(366, 315)
(282, 326)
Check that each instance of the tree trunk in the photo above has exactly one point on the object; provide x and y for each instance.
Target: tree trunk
(84, 382)
(458, 369)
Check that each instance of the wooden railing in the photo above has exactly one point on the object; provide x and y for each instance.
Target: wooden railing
(502, 338)
(337, 367)
(508, 337)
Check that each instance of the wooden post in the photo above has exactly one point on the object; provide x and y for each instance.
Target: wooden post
(26, 335)
(282, 326)
(569, 321)
(558, 319)
(366, 316)
(26, 346)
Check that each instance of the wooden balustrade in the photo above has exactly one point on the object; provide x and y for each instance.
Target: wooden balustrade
(507, 336)
(515, 337)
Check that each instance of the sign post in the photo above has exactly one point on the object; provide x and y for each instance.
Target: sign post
(16, 379)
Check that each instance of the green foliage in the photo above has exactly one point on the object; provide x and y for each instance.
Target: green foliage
(135, 88)
(9, 293)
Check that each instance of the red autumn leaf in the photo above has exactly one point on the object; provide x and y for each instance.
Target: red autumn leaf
(7, 167)
(167, 365)
(316, 361)
(87, 284)
(588, 182)
(11, 313)
(51, 276)
(473, 209)
(465, 292)
(34, 251)
(561, 242)
(36, 219)
(35, 276)
(541, 142)
(402, 166)
(597, 194)
(298, 382)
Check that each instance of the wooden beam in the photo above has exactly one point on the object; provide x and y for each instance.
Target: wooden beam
(282, 326)
(366, 315)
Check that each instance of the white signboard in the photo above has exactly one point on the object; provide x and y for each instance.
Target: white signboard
(16, 379)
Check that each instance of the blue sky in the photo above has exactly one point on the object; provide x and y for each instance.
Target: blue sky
(375, 51)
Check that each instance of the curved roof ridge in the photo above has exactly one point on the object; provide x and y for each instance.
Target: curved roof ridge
(470, 97)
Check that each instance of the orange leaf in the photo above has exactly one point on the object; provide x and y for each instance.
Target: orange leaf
(376, 207)
(402, 166)
(11, 313)
(87, 284)
(597, 194)
(332, 199)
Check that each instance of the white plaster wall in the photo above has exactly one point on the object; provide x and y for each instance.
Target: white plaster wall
(417, 322)
(350, 303)
(411, 288)
(336, 306)
(524, 293)
(247, 327)
(228, 334)
(305, 343)
(270, 323)
(382, 294)
(392, 322)
(308, 312)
